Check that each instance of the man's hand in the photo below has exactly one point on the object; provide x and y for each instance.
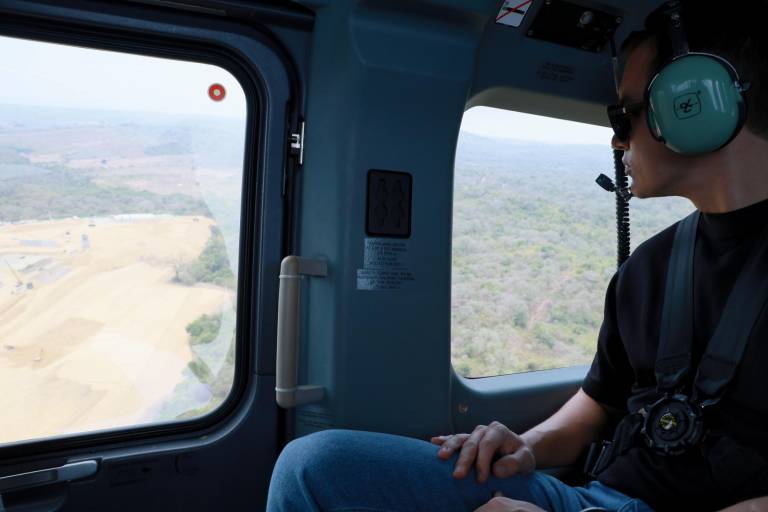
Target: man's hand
(753, 505)
(481, 446)
(500, 504)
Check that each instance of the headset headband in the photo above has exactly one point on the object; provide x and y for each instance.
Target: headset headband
(695, 103)
(681, 47)
(676, 29)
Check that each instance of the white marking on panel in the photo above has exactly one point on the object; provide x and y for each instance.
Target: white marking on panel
(513, 12)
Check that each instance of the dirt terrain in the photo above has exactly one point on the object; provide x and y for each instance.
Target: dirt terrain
(92, 325)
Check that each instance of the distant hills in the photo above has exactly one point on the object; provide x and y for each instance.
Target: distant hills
(59, 162)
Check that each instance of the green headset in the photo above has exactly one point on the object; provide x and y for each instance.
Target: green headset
(696, 103)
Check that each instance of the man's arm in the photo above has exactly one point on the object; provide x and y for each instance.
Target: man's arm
(560, 440)
(753, 505)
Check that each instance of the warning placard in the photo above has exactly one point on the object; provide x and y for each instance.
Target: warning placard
(385, 254)
(375, 279)
(386, 265)
(513, 12)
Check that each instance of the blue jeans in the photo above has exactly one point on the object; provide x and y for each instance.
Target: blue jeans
(350, 471)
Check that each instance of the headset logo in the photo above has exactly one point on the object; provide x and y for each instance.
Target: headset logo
(688, 105)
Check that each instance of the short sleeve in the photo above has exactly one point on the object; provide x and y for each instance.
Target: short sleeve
(610, 377)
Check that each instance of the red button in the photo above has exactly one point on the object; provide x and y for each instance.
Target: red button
(217, 92)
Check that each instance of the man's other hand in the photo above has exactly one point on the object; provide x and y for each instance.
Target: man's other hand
(501, 504)
(481, 446)
(753, 505)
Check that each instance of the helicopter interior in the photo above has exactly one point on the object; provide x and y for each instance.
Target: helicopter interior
(341, 103)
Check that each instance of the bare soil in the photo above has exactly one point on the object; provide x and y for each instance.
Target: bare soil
(92, 325)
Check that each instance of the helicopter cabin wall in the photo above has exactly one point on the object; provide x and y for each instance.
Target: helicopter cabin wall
(387, 90)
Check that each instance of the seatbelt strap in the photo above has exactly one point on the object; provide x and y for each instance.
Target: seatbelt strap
(673, 358)
(742, 310)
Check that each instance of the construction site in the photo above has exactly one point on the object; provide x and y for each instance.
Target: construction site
(92, 321)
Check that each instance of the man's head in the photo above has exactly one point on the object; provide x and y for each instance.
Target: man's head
(731, 31)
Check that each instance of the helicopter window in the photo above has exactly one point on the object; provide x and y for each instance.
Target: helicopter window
(534, 241)
(120, 179)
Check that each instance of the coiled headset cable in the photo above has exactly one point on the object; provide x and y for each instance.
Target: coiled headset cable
(623, 195)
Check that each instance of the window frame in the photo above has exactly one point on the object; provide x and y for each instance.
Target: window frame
(136, 42)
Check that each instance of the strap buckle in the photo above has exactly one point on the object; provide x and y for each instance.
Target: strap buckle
(598, 458)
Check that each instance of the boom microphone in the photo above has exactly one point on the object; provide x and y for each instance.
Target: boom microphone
(608, 185)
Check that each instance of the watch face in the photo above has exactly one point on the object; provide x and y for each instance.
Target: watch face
(670, 422)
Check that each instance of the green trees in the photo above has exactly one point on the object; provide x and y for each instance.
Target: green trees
(212, 266)
(202, 332)
(200, 369)
(204, 329)
(57, 192)
(534, 246)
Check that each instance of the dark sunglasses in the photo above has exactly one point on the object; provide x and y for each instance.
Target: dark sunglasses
(620, 117)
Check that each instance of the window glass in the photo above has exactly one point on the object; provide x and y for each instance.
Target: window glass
(534, 241)
(120, 187)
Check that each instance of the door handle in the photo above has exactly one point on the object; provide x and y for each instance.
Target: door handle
(66, 473)
(288, 392)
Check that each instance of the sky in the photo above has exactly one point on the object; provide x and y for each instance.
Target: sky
(505, 124)
(46, 74)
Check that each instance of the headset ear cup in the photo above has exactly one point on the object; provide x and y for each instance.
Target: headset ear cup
(653, 125)
(695, 104)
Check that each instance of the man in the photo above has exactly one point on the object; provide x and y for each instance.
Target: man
(493, 469)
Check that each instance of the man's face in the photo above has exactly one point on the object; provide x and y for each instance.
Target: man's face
(656, 171)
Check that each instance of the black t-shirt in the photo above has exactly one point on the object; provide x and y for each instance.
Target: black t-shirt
(727, 469)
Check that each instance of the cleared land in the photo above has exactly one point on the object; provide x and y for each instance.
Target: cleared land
(92, 325)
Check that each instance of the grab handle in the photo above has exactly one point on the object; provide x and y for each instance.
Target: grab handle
(288, 392)
(66, 473)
